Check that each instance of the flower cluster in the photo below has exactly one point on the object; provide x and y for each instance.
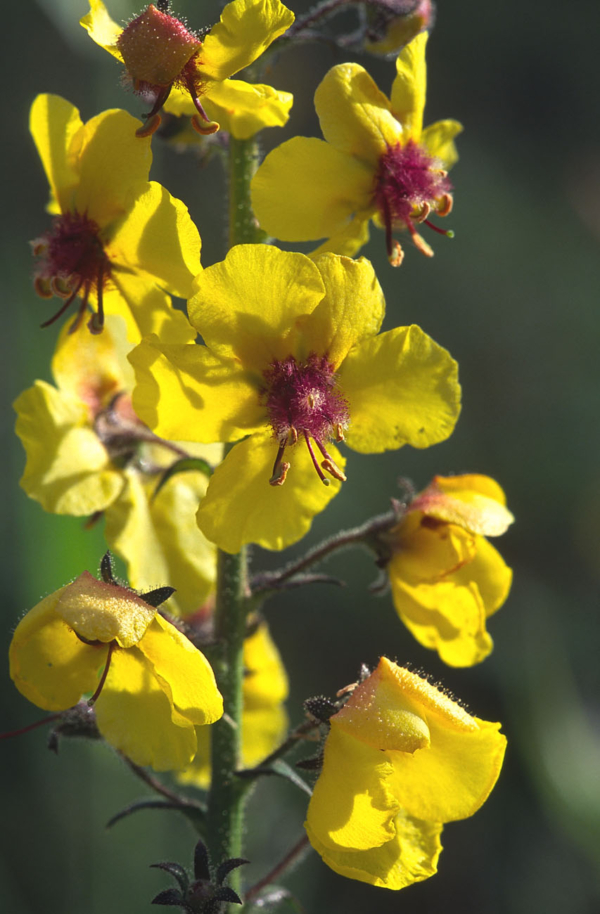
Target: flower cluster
(194, 435)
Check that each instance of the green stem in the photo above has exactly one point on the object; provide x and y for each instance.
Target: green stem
(243, 162)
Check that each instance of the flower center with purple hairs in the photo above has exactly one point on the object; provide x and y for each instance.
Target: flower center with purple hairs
(72, 262)
(409, 184)
(303, 401)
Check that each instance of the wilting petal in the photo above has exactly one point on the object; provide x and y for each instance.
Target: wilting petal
(53, 123)
(251, 306)
(401, 388)
(355, 115)
(183, 672)
(49, 664)
(241, 507)
(246, 29)
(307, 189)
(351, 806)
(410, 856)
(136, 716)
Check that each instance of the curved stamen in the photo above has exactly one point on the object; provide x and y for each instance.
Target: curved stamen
(96, 695)
(313, 457)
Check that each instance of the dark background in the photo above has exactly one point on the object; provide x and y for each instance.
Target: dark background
(514, 298)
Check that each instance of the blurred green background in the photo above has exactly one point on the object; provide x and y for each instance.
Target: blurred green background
(515, 299)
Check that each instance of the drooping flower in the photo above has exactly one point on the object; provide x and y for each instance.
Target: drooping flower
(87, 452)
(291, 361)
(165, 60)
(401, 759)
(376, 162)
(446, 578)
(118, 242)
(151, 687)
(264, 720)
(392, 24)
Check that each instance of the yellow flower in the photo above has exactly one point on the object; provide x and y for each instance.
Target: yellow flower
(151, 686)
(164, 60)
(292, 360)
(117, 240)
(401, 759)
(445, 576)
(376, 163)
(88, 452)
(264, 721)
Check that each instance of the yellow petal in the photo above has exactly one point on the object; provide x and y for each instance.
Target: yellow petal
(183, 672)
(68, 470)
(245, 30)
(187, 393)
(112, 162)
(241, 507)
(472, 501)
(351, 806)
(306, 189)
(198, 771)
(401, 388)
(49, 664)
(104, 612)
(352, 310)
(265, 680)
(410, 87)
(251, 305)
(489, 573)
(159, 539)
(242, 109)
(409, 857)
(452, 777)
(348, 240)
(93, 367)
(53, 123)
(145, 309)
(438, 139)
(101, 28)
(426, 552)
(135, 715)
(355, 115)
(158, 237)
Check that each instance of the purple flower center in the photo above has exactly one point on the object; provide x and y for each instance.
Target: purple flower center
(408, 185)
(72, 262)
(303, 400)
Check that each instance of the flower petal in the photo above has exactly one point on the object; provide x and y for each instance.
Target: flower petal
(265, 680)
(489, 573)
(251, 305)
(409, 857)
(306, 189)
(401, 388)
(473, 501)
(49, 664)
(158, 237)
(351, 806)
(438, 139)
(186, 393)
(159, 539)
(355, 115)
(101, 28)
(242, 109)
(351, 312)
(348, 240)
(53, 123)
(410, 87)
(145, 309)
(104, 612)
(241, 507)
(183, 672)
(135, 715)
(113, 166)
(245, 30)
(68, 470)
